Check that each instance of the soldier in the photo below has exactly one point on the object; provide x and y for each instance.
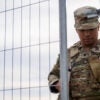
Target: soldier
(84, 59)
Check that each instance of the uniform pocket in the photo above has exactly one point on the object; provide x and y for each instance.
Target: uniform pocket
(94, 62)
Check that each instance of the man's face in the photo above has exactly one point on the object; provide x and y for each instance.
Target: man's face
(88, 37)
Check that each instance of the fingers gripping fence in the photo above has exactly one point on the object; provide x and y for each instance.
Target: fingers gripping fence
(29, 45)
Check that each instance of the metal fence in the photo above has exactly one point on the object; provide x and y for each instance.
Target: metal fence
(29, 45)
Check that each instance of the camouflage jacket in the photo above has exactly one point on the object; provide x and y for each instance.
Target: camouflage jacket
(83, 81)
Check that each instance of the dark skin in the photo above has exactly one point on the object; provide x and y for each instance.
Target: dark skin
(88, 40)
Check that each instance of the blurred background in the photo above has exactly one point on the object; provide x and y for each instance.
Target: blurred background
(29, 45)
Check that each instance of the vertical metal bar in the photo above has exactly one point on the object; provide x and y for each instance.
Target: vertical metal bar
(49, 39)
(29, 50)
(4, 56)
(39, 52)
(21, 57)
(63, 51)
(12, 47)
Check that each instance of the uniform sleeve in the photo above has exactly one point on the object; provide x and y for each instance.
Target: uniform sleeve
(54, 76)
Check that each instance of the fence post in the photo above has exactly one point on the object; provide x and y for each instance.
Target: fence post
(63, 51)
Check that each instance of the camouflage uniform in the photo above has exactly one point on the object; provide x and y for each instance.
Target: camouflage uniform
(85, 65)
(83, 83)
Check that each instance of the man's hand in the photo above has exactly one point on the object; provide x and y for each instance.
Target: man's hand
(57, 86)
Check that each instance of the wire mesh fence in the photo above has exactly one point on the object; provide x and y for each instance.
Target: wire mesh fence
(29, 45)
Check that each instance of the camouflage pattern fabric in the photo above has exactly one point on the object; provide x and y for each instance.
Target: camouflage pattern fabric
(81, 18)
(83, 81)
(83, 84)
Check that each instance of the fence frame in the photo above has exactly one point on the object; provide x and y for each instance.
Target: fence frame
(63, 51)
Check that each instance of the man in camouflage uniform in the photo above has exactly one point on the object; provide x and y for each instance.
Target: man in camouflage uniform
(84, 59)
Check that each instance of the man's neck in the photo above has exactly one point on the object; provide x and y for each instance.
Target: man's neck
(88, 47)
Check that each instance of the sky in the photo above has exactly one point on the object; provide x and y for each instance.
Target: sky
(30, 38)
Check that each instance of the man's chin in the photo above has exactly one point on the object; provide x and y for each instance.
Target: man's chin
(89, 44)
